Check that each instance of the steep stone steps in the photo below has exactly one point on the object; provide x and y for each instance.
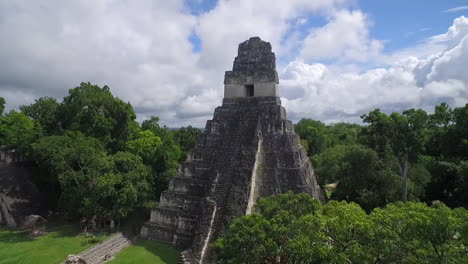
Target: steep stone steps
(179, 200)
(186, 257)
(108, 248)
(186, 185)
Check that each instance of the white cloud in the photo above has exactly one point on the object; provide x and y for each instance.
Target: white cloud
(456, 9)
(346, 36)
(50, 47)
(451, 62)
(141, 49)
(230, 22)
(334, 93)
(454, 35)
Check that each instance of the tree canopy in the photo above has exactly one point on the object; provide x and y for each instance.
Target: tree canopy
(426, 151)
(99, 162)
(96, 112)
(18, 131)
(92, 154)
(294, 228)
(44, 112)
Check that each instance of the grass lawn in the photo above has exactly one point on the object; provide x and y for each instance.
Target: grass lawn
(63, 239)
(146, 252)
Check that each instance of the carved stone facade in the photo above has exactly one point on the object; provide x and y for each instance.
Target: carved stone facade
(248, 150)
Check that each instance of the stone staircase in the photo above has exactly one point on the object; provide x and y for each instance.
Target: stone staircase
(106, 251)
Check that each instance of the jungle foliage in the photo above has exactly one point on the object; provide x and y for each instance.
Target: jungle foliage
(398, 157)
(93, 155)
(294, 228)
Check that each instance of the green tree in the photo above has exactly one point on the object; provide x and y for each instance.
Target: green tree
(415, 233)
(344, 133)
(442, 138)
(146, 145)
(187, 138)
(291, 228)
(329, 164)
(442, 117)
(2, 105)
(419, 177)
(275, 236)
(459, 133)
(364, 179)
(293, 205)
(315, 132)
(18, 131)
(79, 162)
(348, 229)
(152, 124)
(44, 111)
(92, 183)
(128, 187)
(378, 133)
(449, 182)
(97, 113)
(403, 134)
(448, 146)
(165, 161)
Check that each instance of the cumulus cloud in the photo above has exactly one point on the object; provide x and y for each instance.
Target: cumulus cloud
(346, 36)
(333, 94)
(222, 28)
(142, 50)
(451, 62)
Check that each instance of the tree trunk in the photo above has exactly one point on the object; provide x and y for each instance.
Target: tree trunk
(403, 164)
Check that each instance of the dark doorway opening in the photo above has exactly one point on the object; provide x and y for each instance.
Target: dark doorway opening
(249, 88)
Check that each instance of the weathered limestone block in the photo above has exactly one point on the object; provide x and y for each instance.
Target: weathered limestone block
(72, 259)
(255, 62)
(248, 150)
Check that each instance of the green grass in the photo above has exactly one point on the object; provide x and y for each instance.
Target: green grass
(63, 239)
(145, 251)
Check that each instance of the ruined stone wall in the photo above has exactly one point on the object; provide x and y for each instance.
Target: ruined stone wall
(19, 197)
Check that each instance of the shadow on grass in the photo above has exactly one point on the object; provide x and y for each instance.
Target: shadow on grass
(164, 251)
(62, 229)
(14, 236)
(57, 229)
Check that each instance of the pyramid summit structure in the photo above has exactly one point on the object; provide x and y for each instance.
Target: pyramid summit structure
(247, 151)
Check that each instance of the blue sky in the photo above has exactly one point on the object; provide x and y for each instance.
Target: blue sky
(404, 23)
(401, 23)
(337, 59)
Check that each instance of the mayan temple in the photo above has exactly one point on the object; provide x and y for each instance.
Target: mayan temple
(248, 150)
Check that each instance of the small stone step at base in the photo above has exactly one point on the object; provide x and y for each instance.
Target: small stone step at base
(106, 250)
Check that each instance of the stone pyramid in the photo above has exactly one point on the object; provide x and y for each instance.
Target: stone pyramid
(249, 150)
